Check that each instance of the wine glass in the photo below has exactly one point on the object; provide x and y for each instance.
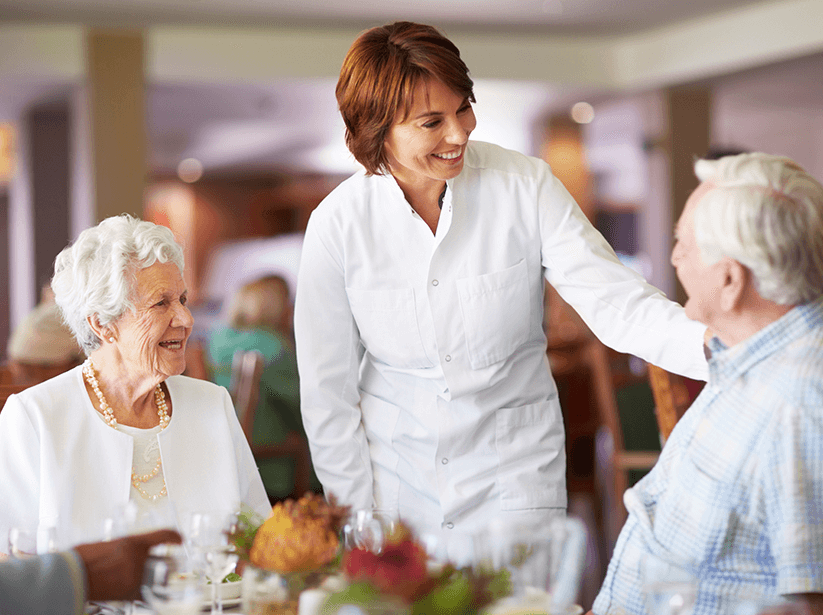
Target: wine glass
(170, 585)
(369, 528)
(23, 542)
(545, 562)
(207, 535)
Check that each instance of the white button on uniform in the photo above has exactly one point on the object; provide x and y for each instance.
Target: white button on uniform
(435, 282)
(448, 358)
(450, 525)
(444, 461)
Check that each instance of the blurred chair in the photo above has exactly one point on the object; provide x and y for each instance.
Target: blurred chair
(196, 360)
(247, 368)
(671, 398)
(6, 374)
(626, 446)
(7, 390)
(30, 373)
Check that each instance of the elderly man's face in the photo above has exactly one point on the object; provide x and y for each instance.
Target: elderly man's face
(700, 281)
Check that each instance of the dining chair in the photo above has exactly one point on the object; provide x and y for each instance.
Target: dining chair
(28, 374)
(7, 390)
(246, 372)
(196, 366)
(626, 444)
(671, 398)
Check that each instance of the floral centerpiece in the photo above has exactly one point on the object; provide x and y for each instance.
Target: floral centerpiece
(401, 578)
(299, 548)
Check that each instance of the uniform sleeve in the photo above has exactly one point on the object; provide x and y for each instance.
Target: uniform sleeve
(19, 469)
(618, 305)
(793, 495)
(328, 359)
(45, 585)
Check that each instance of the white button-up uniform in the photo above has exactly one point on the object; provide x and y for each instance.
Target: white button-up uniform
(424, 380)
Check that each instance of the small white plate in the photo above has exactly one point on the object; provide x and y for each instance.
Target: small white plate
(227, 604)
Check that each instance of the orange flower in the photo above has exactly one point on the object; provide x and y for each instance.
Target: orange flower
(298, 537)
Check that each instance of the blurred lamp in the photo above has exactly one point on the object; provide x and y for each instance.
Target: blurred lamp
(582, 113)
(190, 170)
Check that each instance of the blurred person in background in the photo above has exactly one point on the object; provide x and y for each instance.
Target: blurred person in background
(425, 384)
(260, 318)
(42, 345)
(123, 428)
(735, 501)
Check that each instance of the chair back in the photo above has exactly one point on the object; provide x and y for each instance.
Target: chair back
(671, 398)
(246, 373)
(196, 366)
(246, 370)
(622, 453)
(7, 390)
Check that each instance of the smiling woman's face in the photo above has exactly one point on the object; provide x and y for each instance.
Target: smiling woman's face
(152, 339)
(429, 144)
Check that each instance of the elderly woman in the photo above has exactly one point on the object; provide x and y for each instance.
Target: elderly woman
(425, 385)
(125, 426)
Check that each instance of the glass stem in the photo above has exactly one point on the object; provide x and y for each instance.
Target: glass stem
(216, 603)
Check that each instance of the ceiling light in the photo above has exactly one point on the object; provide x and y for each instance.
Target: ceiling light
(190, 170)
(582, 113)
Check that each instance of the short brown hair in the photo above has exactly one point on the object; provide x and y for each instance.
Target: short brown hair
(379, 75)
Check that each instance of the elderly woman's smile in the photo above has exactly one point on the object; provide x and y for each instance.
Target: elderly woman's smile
(152, 338)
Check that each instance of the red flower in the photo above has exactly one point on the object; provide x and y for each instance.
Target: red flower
(399, 570)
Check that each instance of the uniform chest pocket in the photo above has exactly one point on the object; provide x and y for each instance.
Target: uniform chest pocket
(387, 320)
(496, 313)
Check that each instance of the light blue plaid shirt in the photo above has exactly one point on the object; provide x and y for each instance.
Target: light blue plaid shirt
(736, 498)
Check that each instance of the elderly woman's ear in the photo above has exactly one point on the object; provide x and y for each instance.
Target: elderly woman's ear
(106, 333)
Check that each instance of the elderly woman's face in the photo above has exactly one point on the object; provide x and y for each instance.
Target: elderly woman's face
(430, 143)
(152, 339)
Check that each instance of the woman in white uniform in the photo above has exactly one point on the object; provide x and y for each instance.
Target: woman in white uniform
(425, 383)
(124, 429)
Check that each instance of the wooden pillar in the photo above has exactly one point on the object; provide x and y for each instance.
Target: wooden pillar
(118, 120)
(7, 165)
(689, 122)
(48, 127)
(566, 155)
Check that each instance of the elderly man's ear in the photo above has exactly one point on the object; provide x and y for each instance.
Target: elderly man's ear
(736, 281)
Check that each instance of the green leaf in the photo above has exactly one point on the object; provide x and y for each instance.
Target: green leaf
(361, 594)
(453, 598)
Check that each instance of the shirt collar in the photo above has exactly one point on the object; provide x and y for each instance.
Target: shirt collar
(729, 363)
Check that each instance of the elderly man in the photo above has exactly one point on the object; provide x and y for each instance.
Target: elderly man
(736, 500)
(60, 583)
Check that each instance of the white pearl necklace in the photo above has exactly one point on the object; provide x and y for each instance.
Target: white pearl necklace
(108, 416)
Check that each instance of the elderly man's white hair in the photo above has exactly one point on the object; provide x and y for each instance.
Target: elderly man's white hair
(94, 277)
(766, 213)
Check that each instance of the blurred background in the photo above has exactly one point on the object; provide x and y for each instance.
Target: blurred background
(218, 119)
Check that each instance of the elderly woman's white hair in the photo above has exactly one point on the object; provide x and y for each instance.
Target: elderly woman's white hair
(94, 276)
(766, 213)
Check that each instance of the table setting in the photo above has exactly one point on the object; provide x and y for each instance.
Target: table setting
(313, 557)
